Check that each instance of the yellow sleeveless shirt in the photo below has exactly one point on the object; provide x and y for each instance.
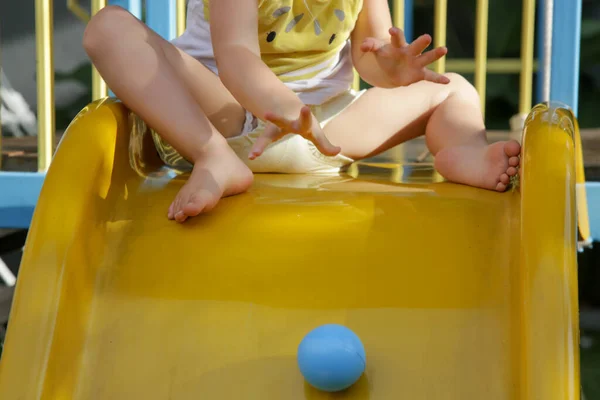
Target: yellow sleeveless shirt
(305, 42)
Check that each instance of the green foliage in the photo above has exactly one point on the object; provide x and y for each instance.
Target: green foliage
(590, 367)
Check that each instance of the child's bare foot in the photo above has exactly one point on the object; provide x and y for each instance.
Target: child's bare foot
(484, 166)
(216, 176)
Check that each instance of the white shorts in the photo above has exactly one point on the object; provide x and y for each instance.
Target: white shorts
(291, 154)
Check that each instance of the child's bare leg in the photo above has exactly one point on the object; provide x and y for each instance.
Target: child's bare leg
(449, 116)
(180, 98)
(467, 158)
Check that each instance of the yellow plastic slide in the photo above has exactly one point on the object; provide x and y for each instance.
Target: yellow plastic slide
(456, 293)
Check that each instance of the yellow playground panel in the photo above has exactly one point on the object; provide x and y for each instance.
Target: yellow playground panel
(456, 292)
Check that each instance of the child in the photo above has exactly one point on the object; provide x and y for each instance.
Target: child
(282, 102)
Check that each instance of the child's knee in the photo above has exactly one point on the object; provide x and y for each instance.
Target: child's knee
(462, 87)
(103, 26)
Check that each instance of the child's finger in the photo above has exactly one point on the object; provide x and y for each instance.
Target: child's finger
(419, 45)
(324, 145)
(371, 45)
(305, 122)
(271, 134)
(431, 56)
(398, 38)
(279, 121)
(435, 77)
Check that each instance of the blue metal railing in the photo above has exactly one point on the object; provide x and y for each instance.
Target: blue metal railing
(566, 47)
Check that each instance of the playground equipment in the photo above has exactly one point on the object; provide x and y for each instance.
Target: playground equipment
(557, 62)
(456, 293)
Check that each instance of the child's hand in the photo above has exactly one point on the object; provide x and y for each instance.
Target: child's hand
(306, 126)
(403, 63)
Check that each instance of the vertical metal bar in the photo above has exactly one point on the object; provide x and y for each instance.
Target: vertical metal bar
(527, 32)
(546, 62)
(544, 49)
(161, 17)
(398, 14)
(566, 38)
(539, 50)
(45, 81)
(181, 17)
(356, 81)
(439, 31)
(99, 88)
(409, 12)
(398, 19)
(481, 38)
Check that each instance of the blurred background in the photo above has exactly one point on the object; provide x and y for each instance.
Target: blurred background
(73, 92)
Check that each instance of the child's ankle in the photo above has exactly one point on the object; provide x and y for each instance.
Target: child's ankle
(216, 146)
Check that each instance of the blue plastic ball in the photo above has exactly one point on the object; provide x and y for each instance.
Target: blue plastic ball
(331, 358)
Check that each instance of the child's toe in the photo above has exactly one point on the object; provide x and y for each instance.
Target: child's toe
(513, 161)
(504, 179)
(199, 203)
(177, 206)
(501, 187)
(511, 171)
(512, 148)
(194, 206)
(180, 216)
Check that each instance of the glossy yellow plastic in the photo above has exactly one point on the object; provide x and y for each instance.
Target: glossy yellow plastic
(548, 276)
(456, 293)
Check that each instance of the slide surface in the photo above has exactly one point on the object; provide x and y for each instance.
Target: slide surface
(456, 293)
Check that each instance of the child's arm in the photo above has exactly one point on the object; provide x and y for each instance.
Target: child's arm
(234, 29)
(381, 55)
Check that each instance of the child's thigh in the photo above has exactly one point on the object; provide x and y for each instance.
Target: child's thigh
(383, 118)
(215, 100)
(111, 35)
